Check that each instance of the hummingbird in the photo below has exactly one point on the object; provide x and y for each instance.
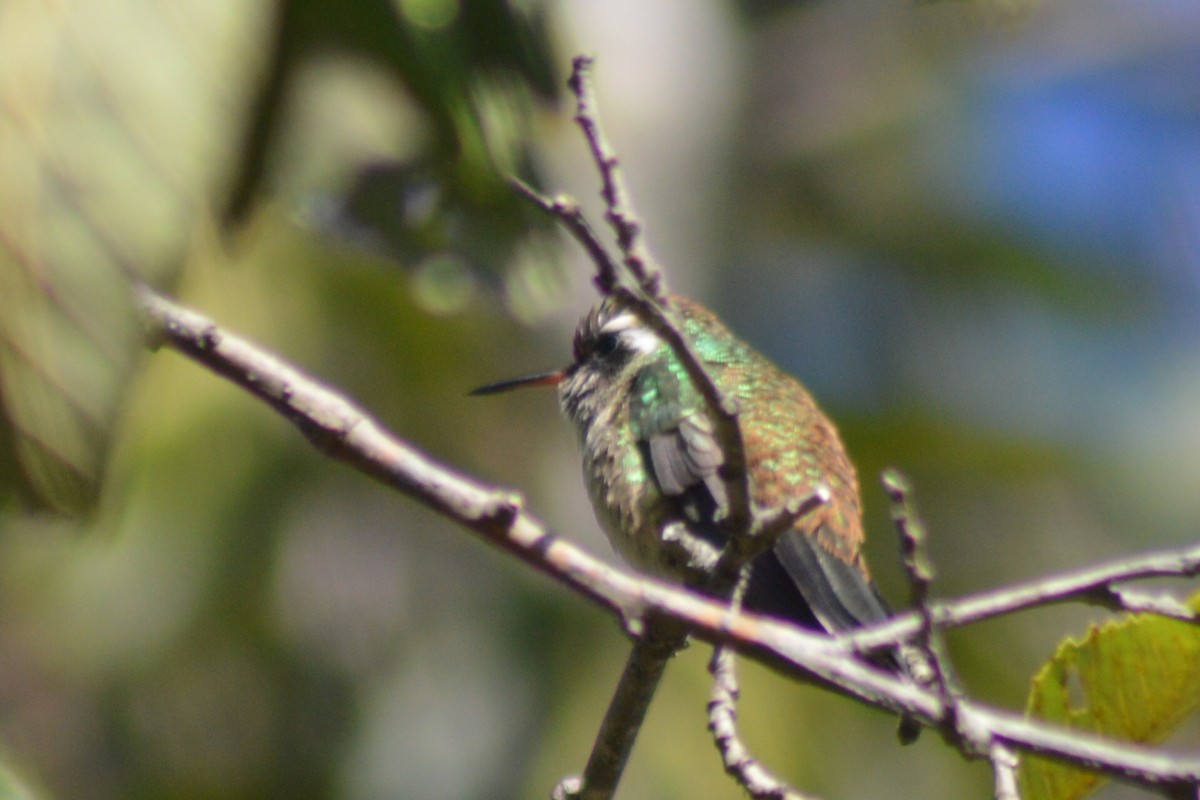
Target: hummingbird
(652, 463)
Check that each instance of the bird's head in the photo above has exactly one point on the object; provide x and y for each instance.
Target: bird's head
(611, 344)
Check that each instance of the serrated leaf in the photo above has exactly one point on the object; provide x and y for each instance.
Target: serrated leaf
(117, 118)
(1135, 679)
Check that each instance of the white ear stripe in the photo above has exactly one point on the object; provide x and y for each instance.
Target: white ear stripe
(636, 336)
(619, 323)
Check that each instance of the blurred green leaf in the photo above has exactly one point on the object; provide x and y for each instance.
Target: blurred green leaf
(1136, 679)
(13, 788)
(472, 72)
(119, 125)
(116, 121)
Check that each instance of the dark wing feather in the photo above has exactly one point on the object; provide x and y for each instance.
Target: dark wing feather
(840, 596)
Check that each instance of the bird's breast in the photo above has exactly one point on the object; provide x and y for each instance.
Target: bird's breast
(627, 502)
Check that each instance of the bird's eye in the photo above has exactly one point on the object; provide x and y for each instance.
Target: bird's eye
(606, 345)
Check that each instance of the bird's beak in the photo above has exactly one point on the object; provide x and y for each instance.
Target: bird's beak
(542, 379)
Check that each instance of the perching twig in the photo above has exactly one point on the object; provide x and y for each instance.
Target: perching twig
(658, 642)
(345, 432)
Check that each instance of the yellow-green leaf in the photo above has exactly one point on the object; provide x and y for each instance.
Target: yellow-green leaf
(1135, 679)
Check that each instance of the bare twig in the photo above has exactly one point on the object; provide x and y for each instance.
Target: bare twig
(917, 565)
(1004, 767)
(645, 292)
(1090, 584)
(739, 763)
(743, 767)
(930, 656)
(1118, 598)
(649, 299)
(644, 668)
(567, 211)
(652, 650)
(345, 432)
(655, 311)
(768, 524)
(619, 213)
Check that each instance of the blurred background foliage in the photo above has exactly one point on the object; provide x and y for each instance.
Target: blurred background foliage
(971, 228)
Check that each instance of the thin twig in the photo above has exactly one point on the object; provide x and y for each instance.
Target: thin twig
(656, 312)
(750, 529)
(1004, 767)
(652, 650)
(930, 656)
(743, 767)
(343, 431)
(650, 301)
(646, 293)
(1118, 598)
(566, 210)
(768, 524)
(911, 531)
(619, 213)
(1088, 584)
(739, 763)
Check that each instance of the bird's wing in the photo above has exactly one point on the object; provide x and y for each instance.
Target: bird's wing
(677, 439)
(687, 456)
